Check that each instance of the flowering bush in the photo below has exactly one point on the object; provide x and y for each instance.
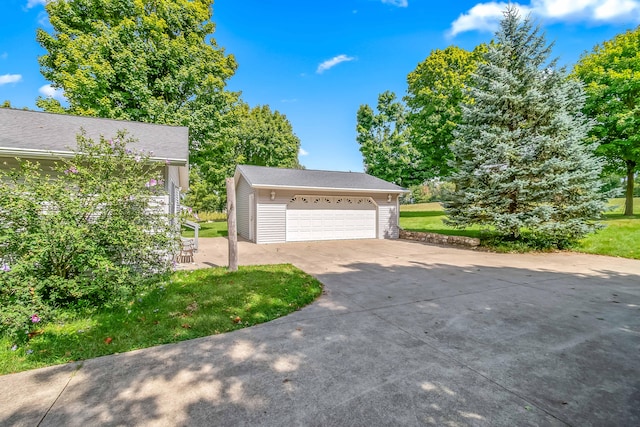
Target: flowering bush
(87, 230)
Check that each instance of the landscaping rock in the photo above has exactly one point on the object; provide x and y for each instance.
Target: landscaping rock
(440, 239)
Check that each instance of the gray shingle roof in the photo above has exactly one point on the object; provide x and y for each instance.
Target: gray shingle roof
(266, 177)
(35, 130)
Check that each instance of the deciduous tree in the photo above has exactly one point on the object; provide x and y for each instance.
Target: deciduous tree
(254, 136)
(611, 72)
(384, 142)
(145, 60)
(435, 90)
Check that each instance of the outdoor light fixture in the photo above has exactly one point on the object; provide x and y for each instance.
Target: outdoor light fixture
(273, 194)
(389, 197)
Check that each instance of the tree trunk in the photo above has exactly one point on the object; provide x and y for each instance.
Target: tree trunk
(628, 205)
(231, 225)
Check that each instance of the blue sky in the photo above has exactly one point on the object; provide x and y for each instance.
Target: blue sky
(318, 61)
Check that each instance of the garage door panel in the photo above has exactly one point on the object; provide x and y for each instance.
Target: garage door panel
(330, 218)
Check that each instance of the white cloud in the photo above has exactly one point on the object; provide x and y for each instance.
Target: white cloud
(51, 92)
(303, 152)
(486, 16)
(481, 17)
(399, 3)
(330, 63)
(10, 78)
(617, 9)
(34, 3)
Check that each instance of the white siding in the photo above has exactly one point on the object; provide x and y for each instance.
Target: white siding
(388, 219)
(271, 223)
(243, 190)
(172, 187)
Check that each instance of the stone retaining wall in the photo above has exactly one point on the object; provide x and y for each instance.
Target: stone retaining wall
(439, 239)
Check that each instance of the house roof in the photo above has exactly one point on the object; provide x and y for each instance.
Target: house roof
(40, 134)
(304, 179)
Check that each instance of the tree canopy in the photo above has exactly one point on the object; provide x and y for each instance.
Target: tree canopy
(522, 166)
(156, 61)
(384, 142)
(148, 60)
(611, 72)
(435, 90)
(254, 136)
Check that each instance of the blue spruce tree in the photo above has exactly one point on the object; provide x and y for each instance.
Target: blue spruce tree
(524, 169)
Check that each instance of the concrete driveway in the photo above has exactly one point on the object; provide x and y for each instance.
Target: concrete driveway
(406, 334)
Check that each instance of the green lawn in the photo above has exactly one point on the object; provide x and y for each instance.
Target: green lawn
(208, 229)
(191, 304)
(427, 217)
(620, 237)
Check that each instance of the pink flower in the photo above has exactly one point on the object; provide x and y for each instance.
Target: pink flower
(137, 158)
(5, 267)
(166, 162)
(72, 169)
(35, 318)
(152, 183)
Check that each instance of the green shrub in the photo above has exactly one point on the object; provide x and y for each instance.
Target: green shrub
(84, 232)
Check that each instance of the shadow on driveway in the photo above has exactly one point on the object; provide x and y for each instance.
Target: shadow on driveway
(410, 343)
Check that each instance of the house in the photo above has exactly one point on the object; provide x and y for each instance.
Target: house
(276, 205)
(46, 137)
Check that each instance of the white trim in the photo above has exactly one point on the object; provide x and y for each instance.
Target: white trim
(35, 153)
(252, 217)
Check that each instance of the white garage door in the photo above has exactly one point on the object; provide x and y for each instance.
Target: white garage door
(330, 218)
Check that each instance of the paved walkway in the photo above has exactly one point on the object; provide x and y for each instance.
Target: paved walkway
(405, 334)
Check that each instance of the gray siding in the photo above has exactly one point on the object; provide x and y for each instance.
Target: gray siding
(271, 222)
(243, 191)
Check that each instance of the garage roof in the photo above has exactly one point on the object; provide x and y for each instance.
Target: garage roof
(298, 179)
(42, 134)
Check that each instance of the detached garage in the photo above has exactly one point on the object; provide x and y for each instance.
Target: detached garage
(292, 205)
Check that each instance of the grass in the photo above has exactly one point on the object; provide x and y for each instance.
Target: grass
(620, 237)
(191, 304)
(208, 229)
(427, 217)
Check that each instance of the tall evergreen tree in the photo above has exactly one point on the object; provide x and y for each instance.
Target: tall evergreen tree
(523, 167)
